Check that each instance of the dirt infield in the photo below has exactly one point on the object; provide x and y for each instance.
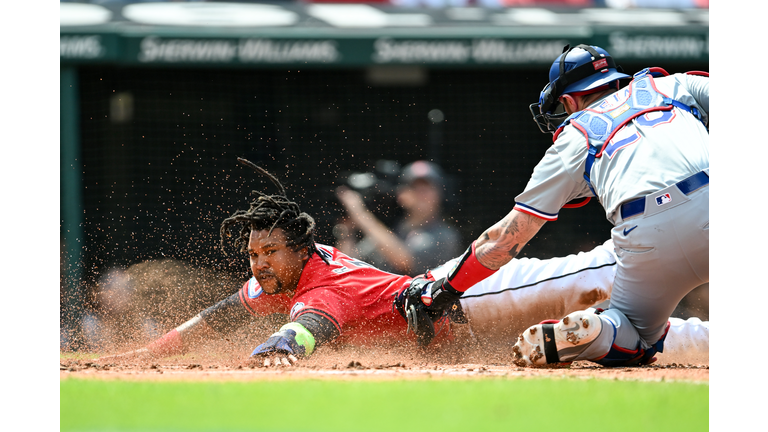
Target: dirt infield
(351, 363)
(227, 358)
(197, 372)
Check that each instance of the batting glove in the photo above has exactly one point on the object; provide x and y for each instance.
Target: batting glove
(293, 338)
(423, 303)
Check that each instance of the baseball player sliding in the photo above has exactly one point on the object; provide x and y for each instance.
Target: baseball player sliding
(332, 298)
(643, 151)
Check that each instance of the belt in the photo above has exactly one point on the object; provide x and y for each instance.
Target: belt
(692, 183)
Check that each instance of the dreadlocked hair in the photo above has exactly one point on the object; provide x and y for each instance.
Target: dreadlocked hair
(270, 212)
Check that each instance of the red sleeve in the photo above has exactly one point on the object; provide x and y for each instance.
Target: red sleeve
(328, 302)
(257, 302)
(353, 295)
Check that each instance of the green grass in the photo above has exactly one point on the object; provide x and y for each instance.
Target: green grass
(440, 405)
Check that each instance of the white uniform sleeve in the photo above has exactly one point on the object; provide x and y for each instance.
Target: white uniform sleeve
(698, 87)
(687, 341)
(692, 90)
(526, 291)
(557, 179)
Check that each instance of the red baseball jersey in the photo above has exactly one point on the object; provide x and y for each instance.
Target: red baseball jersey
(355, 296)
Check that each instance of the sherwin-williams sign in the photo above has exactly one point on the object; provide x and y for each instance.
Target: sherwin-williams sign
(252, 34)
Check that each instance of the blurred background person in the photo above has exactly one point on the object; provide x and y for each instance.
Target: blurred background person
(419, 240)
(112, 318)
(130, 306)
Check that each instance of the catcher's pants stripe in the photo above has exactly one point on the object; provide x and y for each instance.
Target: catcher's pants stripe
(526, 291)
(539, 282)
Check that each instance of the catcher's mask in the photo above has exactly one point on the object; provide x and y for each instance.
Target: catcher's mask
(581, 68)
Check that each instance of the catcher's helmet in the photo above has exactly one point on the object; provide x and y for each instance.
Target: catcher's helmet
(578, 69)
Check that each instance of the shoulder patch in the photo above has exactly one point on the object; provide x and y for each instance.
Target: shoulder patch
(254, 289)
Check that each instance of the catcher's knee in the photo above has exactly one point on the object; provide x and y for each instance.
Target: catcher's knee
(618, 356)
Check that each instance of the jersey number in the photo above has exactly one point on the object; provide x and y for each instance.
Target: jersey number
(651, 119)
(343, 269)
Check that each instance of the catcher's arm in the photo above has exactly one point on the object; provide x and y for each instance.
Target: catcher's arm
(504, 240)
(221, 318)
(295, 340)
(495, 247)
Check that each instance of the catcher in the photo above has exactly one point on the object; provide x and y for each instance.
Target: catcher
(643, 151)
(332, 298)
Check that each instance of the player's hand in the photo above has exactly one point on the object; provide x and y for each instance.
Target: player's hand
(277, 351)
(275, 360)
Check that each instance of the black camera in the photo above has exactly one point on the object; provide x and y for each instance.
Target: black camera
(378, 187)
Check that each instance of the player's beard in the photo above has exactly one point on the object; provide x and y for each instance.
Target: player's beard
(277, 284)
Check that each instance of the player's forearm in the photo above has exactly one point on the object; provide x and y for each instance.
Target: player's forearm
(391, 247)
(505, 239)
(220, 318)
(179, 340)
(394, 250)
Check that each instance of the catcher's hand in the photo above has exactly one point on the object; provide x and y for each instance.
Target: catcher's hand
(424, 302)
(418, 317)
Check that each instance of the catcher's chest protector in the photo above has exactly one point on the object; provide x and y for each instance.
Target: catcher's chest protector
(600, 124)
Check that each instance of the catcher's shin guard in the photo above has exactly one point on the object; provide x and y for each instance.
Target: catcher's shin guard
(619, 356)
(556, 343)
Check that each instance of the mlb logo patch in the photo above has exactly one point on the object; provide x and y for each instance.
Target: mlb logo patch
(663, 199)
(295, 309)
